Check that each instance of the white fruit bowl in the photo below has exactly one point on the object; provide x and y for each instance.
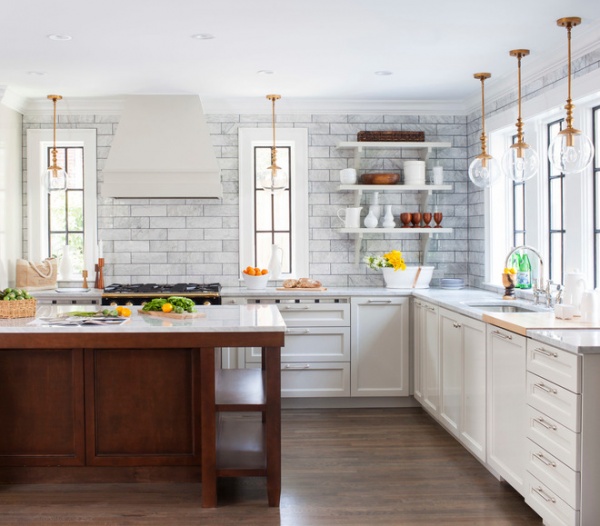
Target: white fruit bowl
(255, 282)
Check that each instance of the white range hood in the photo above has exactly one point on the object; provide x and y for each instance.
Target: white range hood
(162, 149)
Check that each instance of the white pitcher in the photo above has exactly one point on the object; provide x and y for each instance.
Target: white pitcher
(575, 285)
(275, 261)
(351, 216)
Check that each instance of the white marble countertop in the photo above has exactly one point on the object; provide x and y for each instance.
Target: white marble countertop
(229, 318)
(585, 341)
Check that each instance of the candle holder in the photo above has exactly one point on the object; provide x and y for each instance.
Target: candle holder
(416, 219)
(405, 217)
(427, 216)
(84, 273)
(437, 217)
(99, 283)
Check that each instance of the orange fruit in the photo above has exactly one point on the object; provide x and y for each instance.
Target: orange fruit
(256, 271)
(264, 271)
(125, 311)
(248, 269)
(167, 307)
(119, 310)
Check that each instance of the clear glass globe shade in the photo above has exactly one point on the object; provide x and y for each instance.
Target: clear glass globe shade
(273, 181)
(571, 153)
(521, 168)
(57, 179)
(484, 175)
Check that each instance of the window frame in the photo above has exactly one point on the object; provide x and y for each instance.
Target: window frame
(37, 203)
(297, 140)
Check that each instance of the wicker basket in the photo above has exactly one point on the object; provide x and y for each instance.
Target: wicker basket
(391, 136)
(17, 308)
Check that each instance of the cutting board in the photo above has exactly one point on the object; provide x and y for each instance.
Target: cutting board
(523, 321)
(310, 289)
(175, 315)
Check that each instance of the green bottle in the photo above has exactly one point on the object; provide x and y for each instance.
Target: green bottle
(524, 273)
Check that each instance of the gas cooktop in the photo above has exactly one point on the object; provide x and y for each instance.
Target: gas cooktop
(146, 289)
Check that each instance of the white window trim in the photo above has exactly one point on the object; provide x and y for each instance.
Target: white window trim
(37, 205)
(578, 249)
(297, 139)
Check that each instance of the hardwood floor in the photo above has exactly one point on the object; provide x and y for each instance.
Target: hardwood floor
(358, 467)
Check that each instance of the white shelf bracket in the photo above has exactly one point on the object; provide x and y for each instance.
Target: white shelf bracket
(425, 238)
(425, 195)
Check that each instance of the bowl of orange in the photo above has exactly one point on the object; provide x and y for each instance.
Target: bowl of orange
(255, 278)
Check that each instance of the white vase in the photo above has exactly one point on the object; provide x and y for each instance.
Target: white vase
(388, 218)
(66, 264)
(375, 206)
(275, 261)
(371, 219)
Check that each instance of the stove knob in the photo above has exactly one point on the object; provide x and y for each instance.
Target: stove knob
(206, 303)
(129, 304)
(113, 303)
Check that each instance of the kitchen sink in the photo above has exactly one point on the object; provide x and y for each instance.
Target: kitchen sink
(502, 307)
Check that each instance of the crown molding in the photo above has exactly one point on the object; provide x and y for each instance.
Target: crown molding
(12, 100)
(536, 67)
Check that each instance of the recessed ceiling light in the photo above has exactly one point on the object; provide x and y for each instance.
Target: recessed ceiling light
(36, 73)
(60, 37)
(383, 73)
(203, 36)
(265, 72)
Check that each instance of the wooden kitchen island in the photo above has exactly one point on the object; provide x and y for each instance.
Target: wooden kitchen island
(143, 401)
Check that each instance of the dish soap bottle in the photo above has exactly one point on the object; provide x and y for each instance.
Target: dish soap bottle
(524, 273)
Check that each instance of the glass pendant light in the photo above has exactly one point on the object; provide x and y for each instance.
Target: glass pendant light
(55, 175)
(484, 169)
(520, 162)
(571, 151)
(273, 179)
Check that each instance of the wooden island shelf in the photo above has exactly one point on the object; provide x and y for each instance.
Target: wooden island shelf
(142, 401)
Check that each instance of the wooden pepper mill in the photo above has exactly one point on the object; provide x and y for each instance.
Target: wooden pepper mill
(84, 273)
(99, 283)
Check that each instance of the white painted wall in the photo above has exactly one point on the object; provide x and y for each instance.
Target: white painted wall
(11, 231)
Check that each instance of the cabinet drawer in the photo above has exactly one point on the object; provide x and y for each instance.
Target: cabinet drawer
(315, 314)
(559, 477)
(555, 401)
(556, 365)
(315, 379)
(554, 438)
(554, 510)
(314, 344)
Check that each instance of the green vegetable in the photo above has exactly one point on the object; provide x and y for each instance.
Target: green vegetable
(180, 304)
(155, 304)
(82, 313)
(9, 294)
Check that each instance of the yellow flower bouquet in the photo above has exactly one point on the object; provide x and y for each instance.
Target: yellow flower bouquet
(392, 259)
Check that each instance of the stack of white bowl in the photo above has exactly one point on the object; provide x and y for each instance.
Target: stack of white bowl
(414, 172)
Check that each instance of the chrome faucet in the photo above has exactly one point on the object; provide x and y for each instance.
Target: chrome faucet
(538, 284)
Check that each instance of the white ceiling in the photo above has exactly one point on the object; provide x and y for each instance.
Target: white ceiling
(319, 50)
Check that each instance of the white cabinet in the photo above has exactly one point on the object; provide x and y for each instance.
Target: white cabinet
(420, 150)
(315, 361)
(463, 379)
(379, 346)
(426, 363)
(506, 442)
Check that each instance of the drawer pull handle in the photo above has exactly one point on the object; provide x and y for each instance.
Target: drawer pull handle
(544, 387)
(542, 494)
(379, 301)
(300, 366)
(502, 335)
(297, 331)
(540, 456)
(456, 325)
(287, 307)
(546, 352)
(545, 424)
(432, 309)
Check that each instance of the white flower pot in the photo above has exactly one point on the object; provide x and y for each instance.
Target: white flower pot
(407, 279)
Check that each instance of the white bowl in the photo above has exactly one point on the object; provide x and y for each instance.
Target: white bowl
(255, 282)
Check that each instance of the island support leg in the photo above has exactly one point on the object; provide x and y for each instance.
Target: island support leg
(272, 369)
(209, 427)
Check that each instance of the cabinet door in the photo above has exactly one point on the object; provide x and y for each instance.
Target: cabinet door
(506, 362)
(418, 352)
(431, 359)
(451, 364)
(379, 346)
(473, 413)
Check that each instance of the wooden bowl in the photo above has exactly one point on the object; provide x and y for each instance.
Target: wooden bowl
(380, 178)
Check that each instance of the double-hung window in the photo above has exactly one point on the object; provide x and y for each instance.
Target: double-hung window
(280, 218)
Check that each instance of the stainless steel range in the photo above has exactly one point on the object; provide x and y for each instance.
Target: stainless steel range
(140, 293)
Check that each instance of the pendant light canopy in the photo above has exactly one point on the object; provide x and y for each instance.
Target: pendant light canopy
(274, 179)
(520, 162)
(55, 175)
(571, 151)
(484, 169)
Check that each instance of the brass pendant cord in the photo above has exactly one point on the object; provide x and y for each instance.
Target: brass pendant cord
(519, 120)
(273, 166)
(483, 156)
(55, 168)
